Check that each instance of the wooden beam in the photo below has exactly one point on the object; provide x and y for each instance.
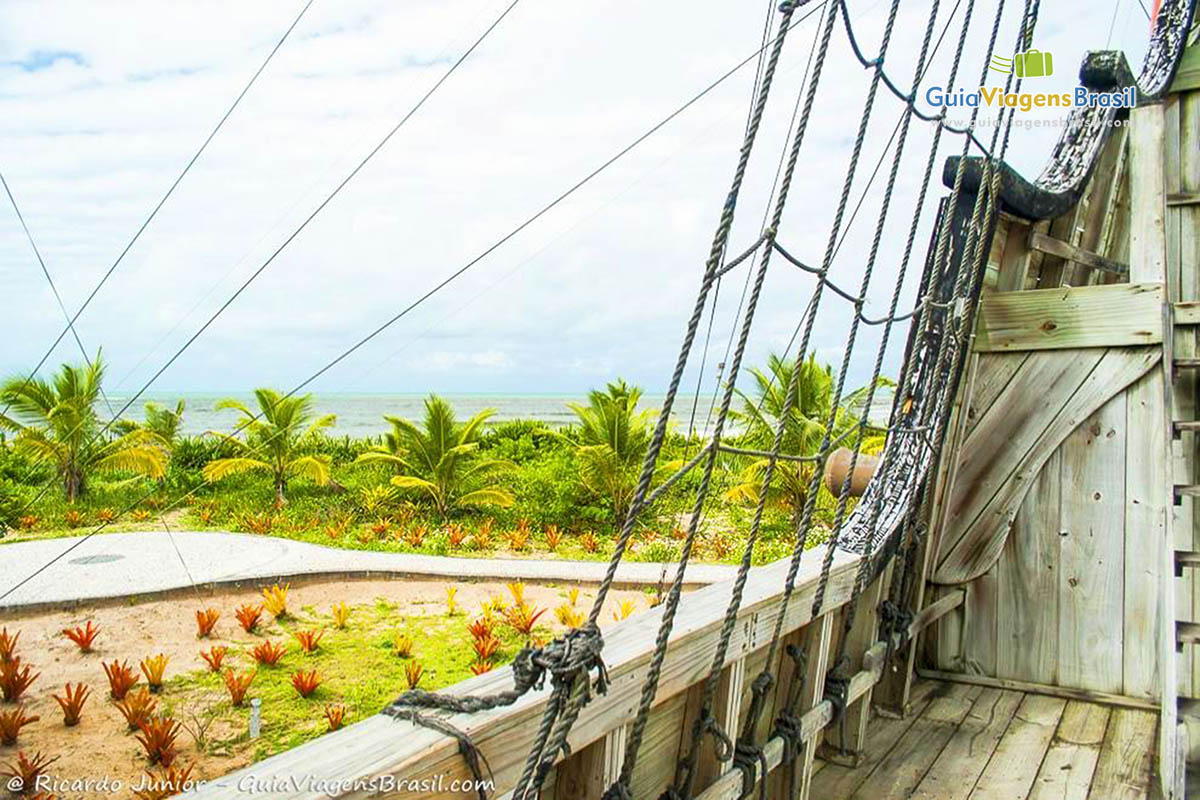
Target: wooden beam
(1187, 312)
(1066, 692)
(1113, 315)
(1051, 246)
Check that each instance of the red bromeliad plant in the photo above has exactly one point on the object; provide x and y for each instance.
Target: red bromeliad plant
(120, 678)
(206, 620)
(335, 714)
(8, 645)
(522, 617)
(83, 637)
(248, 616)
(306, 682)
(11, 723)
(72, 703)
(25, 771)
(268, 653)
(238, 685)
(486, 647)
(412, 673)
(213, 656)
(309, 640)
(481, 627)
(553, 537)
(480, 667)
(15, 679)
(157, 736)
(137, 707)
(456, 536)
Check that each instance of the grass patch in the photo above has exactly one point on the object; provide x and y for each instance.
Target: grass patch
(358, 667)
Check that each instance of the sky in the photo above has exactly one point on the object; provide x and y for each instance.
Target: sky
(101, 106)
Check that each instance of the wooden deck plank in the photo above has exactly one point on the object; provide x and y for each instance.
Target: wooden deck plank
(1014, 765)
(836, 782)
(1124, 769)
(899, 772)
(1067, 769)
(965, 756)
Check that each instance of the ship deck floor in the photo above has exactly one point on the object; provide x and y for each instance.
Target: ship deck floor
(963, 742)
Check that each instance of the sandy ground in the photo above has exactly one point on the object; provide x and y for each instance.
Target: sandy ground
(99, 746)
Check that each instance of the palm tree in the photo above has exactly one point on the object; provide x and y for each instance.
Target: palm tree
(56, 424)
(613, 436)
(273, 440)
(803, 429)
(440, 459)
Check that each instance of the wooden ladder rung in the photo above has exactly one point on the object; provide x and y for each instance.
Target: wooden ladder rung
(1187, 363)
(1187, 425)
(1187, 633)
(1188, 490)
(1185, 559)
(1186, 313)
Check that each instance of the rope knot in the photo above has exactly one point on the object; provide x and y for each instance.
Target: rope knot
(722, 744)
(748, 757)
(837, 684)
(787, 727)
(564, 659)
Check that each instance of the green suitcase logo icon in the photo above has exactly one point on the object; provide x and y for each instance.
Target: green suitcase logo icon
(1033, 64)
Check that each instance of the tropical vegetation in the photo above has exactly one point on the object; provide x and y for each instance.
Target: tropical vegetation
(57, 425)
(438, 484)
(273, 436)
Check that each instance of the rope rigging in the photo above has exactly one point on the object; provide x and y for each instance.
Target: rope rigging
(573, 686)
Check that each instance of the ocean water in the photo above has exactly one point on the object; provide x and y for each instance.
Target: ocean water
(360, 415)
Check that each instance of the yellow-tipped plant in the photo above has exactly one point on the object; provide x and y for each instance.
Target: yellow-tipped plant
(624, 609)
(402, 644)
(573, 595)
(275, 600)
(568, 616)
(451, 606)
(341, 615)
(517, 589)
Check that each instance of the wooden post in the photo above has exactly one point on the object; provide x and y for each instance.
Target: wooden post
(817, 642)
(1147, 263)
(861, 637)
(588, 773)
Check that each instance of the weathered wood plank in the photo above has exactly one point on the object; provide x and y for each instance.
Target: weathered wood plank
(1113, 315)
(1066, 772)
(837, 781)
(1085, 258)
(976, 532)
(1064, 692)
(1016, 256)
(1145, 510)
(993, 372)
(1123, 771)
(1027, 623)
(1091, 576)
(965, 756)
(1014, 766)
(898, 773)
(980, 622)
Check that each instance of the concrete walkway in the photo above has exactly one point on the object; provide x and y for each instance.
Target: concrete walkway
(144, 563)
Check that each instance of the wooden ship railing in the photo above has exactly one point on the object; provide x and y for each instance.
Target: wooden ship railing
(1054, 516)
